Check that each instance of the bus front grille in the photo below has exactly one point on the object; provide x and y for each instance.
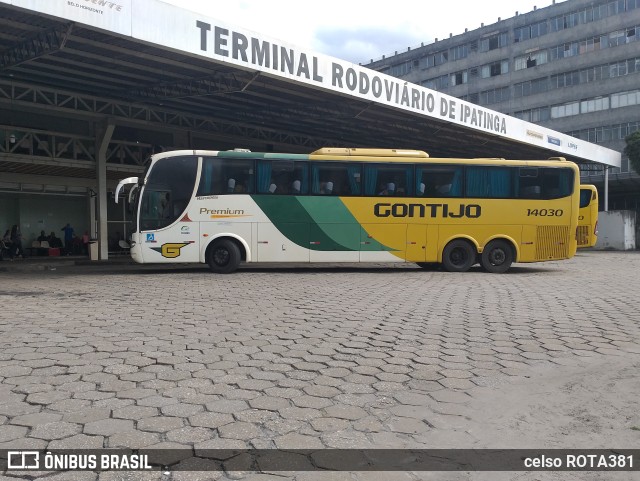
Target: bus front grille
(583, 235)
(552, 242)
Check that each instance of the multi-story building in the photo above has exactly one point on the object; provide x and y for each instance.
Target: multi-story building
(573, 67)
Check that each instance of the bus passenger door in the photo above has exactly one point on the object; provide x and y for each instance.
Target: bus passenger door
(416, 243)
(383, 242)
(287, 243)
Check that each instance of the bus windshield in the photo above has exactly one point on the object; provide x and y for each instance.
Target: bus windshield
(167, 192)
(585, 197)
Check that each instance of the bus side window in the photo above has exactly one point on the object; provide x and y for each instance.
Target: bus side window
(388, 179)
(529, 183)
(332, 178)
(439, 181)
(557, 182)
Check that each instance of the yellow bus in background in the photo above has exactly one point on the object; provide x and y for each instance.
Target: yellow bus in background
(587, 233)
(352, 205)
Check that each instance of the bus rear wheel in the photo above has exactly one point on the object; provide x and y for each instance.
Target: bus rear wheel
(224, 257)
(458, 256)
(497, 257)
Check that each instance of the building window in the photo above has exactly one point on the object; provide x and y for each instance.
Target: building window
(565, 110)
(625, 99)
(530, 31)
(594, 105)
(493, 42)
(494, 69)
(401, 69)
(531, 59)
(459, 52)
(459, 78)
(438, 83)
(494, 96)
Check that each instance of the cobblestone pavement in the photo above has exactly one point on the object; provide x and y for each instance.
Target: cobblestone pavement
(306, 357)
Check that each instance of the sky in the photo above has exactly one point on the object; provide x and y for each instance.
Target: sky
(359, 30)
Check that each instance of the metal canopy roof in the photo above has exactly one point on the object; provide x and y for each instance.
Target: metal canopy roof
(58, 78)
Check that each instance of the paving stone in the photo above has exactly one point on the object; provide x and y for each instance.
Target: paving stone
(300, 414)
(10, 433)
(297, 441)
(69, 405)
(35, 419)
(135, 412)
(311, 402)
(79, 441)
(321, 391)
(212, 447)
(227, 406)
(18, 408)
(181, 410)
(345, 412)
(210, 419)
(256, 416)
(14, 370)
(189, 434)
(133, 439)
(160, 424)
(449, 396)
(29, 389)
(240, 430)
(87, 415)
(156, 401)
(48, 397)
(269, 403)
(329, 424)
(107, 427)
(55, 430)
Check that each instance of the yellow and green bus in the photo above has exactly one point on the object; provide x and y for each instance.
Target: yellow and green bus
(352, 205)
(587, 233)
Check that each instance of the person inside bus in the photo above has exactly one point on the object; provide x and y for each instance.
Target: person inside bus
(444, 189)
(388, 189)
(167, 207)
(327, 189)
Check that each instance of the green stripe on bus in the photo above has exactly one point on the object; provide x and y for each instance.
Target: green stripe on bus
(332, 227)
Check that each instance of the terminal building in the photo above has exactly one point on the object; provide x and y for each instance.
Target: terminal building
(89, 90)
(573, 67)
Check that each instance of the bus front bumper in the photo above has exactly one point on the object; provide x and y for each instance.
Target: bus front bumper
(136, 249)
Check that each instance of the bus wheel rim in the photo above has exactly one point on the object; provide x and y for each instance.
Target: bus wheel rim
(497, 257)
(221, 256)
(458, 256)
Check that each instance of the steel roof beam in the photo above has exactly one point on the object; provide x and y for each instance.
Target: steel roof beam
(36, 46)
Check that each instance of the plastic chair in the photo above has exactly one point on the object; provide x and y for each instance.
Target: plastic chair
(35, 246)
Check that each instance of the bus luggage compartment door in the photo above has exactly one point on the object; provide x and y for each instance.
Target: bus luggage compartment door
(383, 242)
(339, 242)
(287, 243)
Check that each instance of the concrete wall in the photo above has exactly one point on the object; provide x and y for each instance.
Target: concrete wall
(35, 213)
(9, 212)
(617, 230)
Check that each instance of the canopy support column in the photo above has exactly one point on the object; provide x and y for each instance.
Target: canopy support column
(103, 137)
(606, 188)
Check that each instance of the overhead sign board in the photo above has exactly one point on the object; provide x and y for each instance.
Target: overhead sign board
(166, 25)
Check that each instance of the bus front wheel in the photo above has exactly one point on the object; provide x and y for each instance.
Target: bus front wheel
(458, 256)
(497, 257)
(224, 257)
